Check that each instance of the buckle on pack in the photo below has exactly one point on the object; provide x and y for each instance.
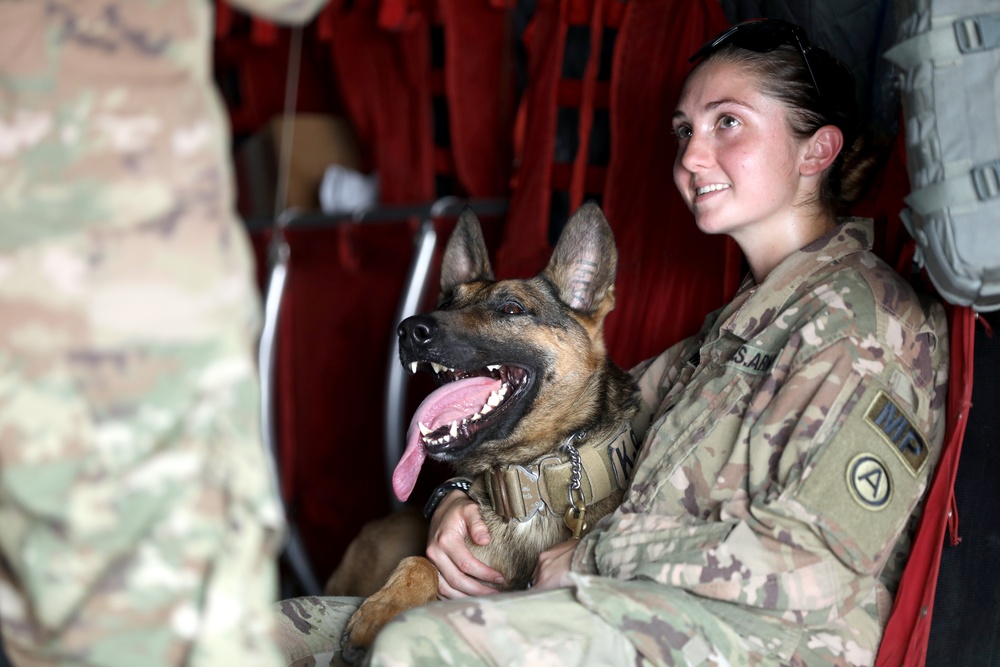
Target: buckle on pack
(978, 33)
(986, 179)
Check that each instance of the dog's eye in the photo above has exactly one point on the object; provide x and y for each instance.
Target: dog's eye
(512, 308)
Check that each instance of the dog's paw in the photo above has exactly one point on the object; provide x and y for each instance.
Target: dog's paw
(368, 620)
(351, 653)
(411, 584)
(363, 627)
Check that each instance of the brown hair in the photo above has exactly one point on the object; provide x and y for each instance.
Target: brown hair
(782, 75)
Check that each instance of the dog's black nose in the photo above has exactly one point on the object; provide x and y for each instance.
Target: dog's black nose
(418, 330)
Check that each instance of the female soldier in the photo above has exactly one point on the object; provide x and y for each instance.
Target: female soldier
(787, 444)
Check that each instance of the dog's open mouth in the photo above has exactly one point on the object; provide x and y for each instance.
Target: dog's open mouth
(448, 419)
(465, 403)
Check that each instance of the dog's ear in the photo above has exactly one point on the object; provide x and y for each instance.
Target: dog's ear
(585, 261)
(465, 257)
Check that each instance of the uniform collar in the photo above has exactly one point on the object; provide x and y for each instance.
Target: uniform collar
(755, 306)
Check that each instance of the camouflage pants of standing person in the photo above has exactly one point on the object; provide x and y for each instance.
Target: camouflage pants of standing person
(139, 524)
(558, 628)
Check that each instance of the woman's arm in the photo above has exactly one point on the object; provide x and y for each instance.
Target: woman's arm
(810, 531)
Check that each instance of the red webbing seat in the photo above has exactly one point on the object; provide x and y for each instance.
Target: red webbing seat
(670, 274)
(904, 642)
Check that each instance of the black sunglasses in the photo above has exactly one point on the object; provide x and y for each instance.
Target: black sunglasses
(763, 36)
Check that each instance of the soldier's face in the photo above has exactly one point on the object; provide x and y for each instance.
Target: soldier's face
(737, 164)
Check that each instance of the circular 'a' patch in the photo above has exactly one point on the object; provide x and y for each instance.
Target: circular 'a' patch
(869, 482)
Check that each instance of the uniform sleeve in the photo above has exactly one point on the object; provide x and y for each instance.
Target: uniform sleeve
(836, 495)
(282, 11)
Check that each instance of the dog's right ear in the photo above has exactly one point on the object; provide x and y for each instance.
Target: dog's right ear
(465, 257)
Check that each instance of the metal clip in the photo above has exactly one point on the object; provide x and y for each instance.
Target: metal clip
(576, 520)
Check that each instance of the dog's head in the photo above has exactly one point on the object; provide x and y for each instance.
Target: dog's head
(519, 361)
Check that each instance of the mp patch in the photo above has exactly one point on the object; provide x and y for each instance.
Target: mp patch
(869, 482)
(895, 427)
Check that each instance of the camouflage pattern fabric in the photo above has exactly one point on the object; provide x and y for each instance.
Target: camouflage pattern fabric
(138, 522)
(309, 629)
(789, 444)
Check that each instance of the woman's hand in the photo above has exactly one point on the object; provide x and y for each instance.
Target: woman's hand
(552, 570)
(456, 518)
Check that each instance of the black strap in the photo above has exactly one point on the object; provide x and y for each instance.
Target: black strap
(462, 484)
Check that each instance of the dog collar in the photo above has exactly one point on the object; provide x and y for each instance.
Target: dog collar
(519, 492)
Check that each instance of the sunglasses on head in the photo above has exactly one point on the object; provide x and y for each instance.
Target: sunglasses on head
(763, 36)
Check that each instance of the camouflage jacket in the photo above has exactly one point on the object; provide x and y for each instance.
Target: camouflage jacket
(108, 110)
(789, 443)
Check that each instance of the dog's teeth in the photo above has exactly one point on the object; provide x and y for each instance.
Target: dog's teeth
(454, 429)
(494, 400)
(486, 408)
(476, 417)
(424, 430)
(413, 366)
(438, 367)
(494, 367)
(503, 390)
(443, 440)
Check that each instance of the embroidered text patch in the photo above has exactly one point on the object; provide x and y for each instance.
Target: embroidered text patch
(752, 359)
(895, 427)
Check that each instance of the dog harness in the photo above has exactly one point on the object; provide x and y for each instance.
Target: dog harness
(518, 492)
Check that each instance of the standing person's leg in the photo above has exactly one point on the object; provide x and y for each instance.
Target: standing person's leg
(138, 523)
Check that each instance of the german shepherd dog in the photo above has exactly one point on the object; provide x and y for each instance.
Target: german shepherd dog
(523, 369)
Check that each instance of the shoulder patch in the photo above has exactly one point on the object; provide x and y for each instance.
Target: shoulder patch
(752, 359)
(895, 427)
(869, 482)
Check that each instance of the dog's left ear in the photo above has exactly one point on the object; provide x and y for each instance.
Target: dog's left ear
(465, 257)
(585, 261)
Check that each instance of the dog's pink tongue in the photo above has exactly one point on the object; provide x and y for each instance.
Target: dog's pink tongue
(452, 402)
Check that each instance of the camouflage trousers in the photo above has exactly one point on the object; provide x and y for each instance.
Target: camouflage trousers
(549, 628)
(139, 524)
(553, 628)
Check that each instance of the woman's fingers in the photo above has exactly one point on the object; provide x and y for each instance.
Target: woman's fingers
(552, 569)
(461, 574)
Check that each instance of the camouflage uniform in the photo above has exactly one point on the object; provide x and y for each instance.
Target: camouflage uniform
(138, 523)
(789, 444)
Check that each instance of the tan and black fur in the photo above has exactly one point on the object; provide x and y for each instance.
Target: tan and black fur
(546, 331)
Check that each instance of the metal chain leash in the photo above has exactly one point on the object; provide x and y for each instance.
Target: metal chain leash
(575, 516)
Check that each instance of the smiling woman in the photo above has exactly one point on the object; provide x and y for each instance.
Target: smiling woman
(762, 148)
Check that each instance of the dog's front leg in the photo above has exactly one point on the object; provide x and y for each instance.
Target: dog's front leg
(414, 582)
